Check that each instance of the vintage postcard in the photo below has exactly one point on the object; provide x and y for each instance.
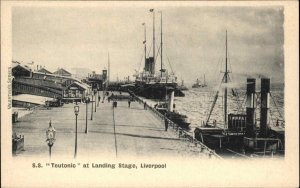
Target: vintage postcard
(149, 94)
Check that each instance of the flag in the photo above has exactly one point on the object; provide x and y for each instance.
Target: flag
(151, 10)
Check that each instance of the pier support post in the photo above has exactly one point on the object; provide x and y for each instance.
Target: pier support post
(50, 147)
(171, 101)
(201, 148)
(209, 154)
(86, 115)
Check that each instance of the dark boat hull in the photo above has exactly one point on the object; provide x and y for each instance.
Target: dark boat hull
(157, 91)
(180, 119)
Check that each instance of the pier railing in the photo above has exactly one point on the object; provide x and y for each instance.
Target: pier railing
(182, 134)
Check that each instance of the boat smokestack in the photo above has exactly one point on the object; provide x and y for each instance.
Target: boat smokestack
(171, 101)
(264, 107)
(250, 108)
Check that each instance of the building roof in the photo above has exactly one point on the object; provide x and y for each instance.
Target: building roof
(83, 87)
(31, 98)
(43, 70)
(62, 71)
(18, 65)
(20, 70)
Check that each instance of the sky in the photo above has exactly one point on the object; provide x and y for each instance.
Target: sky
(193, 39)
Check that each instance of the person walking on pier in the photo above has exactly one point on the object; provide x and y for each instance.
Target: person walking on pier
(99, 99)
(166, 122)
(129, 101)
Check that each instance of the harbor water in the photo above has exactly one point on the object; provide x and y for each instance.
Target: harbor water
(198, 101)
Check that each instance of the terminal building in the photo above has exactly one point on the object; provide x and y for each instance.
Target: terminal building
(42, 82)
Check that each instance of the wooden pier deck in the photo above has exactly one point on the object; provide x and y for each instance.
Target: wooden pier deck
(119, 132)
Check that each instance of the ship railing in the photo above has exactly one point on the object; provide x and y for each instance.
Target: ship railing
(182, 134)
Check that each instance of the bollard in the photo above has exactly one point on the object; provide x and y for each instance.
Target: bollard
(209, 155)
(180, 133)
(201, 149)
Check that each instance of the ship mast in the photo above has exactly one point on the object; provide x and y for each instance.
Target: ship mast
(145, 43)
(152, 10)
(226, 80)
(108, 74)
(161, 45)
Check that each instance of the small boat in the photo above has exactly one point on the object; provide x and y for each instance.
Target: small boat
(182, 87)
(168, 108)
(239, 133)
(198, 84)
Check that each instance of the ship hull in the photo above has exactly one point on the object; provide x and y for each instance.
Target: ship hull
(180, 119)
(157, 90)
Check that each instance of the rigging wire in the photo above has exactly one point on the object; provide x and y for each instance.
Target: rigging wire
(214, 102)
(139, 67)
(272, 119)
(276, 105)
(149, 50)
(169, 63)
(158, 52)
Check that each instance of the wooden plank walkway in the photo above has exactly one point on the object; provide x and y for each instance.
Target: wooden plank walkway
(120, 132)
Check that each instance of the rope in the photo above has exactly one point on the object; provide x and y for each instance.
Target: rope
(214, 103)
(115, 132)
(276, 105)
(242, 104)
(158, 52)
(170, 63)
(149, 50)
(271, 117)
(140, 63)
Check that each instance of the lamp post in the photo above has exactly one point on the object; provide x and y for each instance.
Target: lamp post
(76, 111)
(50, 134)
(92, 107)
(95, 93)
(87, 100)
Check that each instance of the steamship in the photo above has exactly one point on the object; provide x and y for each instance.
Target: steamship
(150, 84)
(198, 84)
(240, 134)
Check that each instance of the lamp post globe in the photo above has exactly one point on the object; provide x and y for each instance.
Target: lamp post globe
(50, 135)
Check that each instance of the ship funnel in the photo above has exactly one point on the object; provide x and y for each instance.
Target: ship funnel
(250, 108)
(171, 101)
(265, 105)
(149, 65)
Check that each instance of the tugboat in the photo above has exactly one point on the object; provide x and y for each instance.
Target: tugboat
(182, 87)
(150, 85)
(168, 108)
(198, 84)
(239, 135)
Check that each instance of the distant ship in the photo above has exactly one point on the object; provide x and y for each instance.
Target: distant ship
(198, 84)
(148, 83)
(182, 87)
